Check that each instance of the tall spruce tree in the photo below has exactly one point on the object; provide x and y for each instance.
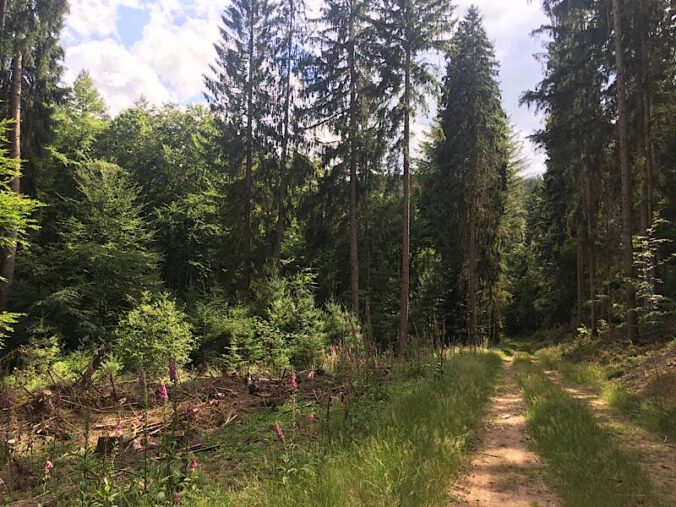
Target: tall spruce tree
(468, 182)
(241, 91)
(341, 76)
(30, 40)
(291, 38)
(16, 218)
(625, 171)
(409, 30)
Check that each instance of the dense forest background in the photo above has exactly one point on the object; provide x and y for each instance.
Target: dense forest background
(292, 212)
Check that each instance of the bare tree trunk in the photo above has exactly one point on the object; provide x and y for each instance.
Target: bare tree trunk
(281, 219)
(354, 243)
(645, 142)
(590, 250)
(3, 15)
(9, 255)
(580, 275)
(367, 256)
(472, 268)
(625, 172)
(248, 176)
(406, 211)
(646, 110)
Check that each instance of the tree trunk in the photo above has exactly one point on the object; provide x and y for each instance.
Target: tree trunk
(3, 16)
(354, 244)
(646, 130)
(625, 172)
(406, 211)
(472, 285)
(281, 219)
(367, 256)
(580, 275)
(590, 250)
(9, 255)
(248, 176)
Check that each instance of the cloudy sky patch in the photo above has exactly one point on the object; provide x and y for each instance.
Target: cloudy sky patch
(159, 49)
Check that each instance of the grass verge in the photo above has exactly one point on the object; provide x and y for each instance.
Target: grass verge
(405, 453)
(587, 467)
(654, 411)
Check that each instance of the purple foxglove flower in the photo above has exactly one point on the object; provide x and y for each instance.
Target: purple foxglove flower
(161, 392)
(277, 429)
(192, 466)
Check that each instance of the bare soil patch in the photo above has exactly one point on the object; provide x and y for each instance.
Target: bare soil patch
(505, 471)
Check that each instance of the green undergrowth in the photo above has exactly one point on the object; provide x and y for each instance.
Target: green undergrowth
(587, 467)
(401, 448)
(655, 411)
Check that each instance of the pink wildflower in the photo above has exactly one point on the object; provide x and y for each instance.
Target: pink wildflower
(173, 375)
(310, 417)
(294, 382)
(162, 392)
(118, 430)
(192, 466)
(177, 498)
(277, 429)
(48, 466)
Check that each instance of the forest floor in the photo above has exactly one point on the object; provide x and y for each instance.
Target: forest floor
(582, 424)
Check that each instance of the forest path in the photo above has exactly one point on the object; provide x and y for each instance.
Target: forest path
(656, 456)
(504, 470)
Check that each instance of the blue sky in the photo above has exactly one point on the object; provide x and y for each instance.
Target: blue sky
(161, 48)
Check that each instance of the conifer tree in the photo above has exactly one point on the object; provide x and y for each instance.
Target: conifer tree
(291, 38)
(468, 182)
(29, 39)
(240, 90)
(16, 217)
(408, 31)
(341, 78)
(625, 171)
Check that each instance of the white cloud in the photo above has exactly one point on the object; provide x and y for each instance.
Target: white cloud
(166, 64)
(88, 18)
(179, 54)
(120, 76)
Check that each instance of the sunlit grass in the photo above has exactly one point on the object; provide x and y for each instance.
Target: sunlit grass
(404, 454)
(587, 466)
(656, 412)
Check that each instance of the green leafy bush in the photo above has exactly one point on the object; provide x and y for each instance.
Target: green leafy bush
(153, 333)
(42, 361)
